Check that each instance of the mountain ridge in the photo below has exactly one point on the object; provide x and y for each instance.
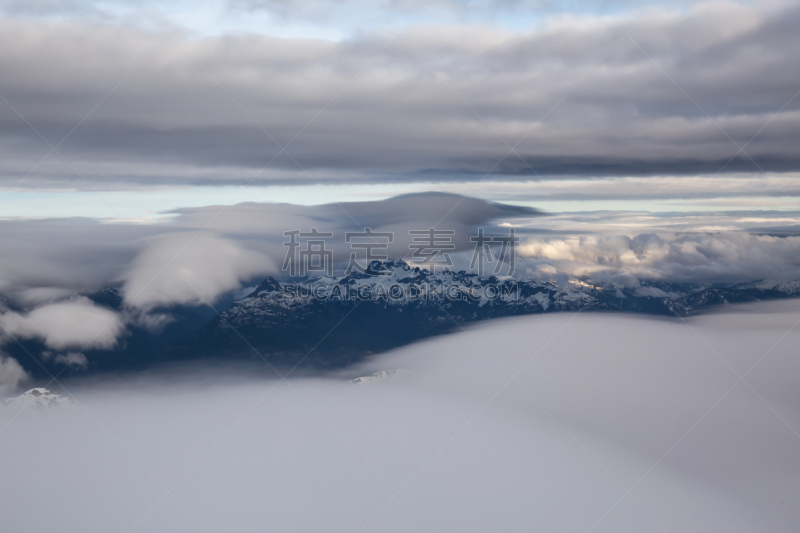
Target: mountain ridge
(333, 321)
(329, 322)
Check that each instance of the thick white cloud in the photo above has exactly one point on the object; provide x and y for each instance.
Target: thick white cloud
(11, 374)
(190, 268)
(691, 257)
(76, 323)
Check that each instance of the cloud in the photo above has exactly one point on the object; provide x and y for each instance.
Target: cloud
(72, 358)
(76, 323)
(692, 258)
(745, 186)
(467, 449)
(266, 223)
(201, 268)
(192, 258)
(403, 118)
(214, 250)
(11, 374)
(211, 249)
(53, 258)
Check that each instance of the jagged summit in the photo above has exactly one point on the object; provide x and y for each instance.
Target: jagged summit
(379, 268)
(37, 397)
(269, 284)
(393, 270)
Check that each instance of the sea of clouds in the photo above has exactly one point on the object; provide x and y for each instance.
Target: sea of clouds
(590, 423)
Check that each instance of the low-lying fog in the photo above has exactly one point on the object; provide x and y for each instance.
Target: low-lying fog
(600, 405)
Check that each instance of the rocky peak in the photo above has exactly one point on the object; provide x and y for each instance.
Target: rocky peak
(269, 284)
(37, 397)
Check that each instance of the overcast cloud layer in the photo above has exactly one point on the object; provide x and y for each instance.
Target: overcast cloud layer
(635, 93)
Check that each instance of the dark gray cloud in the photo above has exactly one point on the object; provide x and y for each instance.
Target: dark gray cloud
(403, 118)
(778, 231)
(740, 187)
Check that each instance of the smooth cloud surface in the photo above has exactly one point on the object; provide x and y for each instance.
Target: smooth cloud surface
(600, 405)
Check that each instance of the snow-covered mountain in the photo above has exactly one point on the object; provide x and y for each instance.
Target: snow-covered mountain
(336, 320)
(37, 398)
(330, 322)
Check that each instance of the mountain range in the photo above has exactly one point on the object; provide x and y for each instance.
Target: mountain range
(329, 322)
